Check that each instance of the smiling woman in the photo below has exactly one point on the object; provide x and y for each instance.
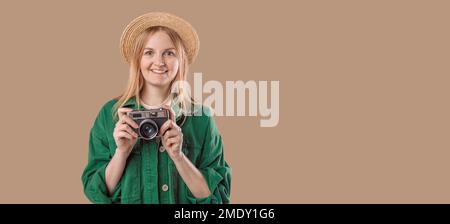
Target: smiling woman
(159, 64)
(185, 162)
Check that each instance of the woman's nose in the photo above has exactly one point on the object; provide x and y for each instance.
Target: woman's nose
(159, 60)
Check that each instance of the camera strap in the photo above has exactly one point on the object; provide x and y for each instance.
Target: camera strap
(180, 121)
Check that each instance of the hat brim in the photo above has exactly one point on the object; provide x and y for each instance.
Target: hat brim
(185, 30)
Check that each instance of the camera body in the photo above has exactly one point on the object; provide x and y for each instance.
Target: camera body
(149, 121)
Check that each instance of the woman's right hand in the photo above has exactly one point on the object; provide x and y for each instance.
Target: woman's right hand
(124, 136)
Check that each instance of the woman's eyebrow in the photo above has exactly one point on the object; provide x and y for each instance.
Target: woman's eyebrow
(149, 48)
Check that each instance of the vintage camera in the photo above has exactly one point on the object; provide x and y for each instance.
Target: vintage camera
(149, 121)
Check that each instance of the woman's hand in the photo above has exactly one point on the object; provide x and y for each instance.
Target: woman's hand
(124, 136)
(172, 137)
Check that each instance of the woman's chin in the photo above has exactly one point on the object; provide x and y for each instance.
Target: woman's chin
(159, 83)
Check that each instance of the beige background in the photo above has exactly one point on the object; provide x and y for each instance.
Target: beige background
(364, 97)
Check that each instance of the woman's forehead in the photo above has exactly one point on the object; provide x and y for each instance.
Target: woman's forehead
(159, 41)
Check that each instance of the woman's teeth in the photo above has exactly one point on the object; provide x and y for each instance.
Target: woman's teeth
(159, 71)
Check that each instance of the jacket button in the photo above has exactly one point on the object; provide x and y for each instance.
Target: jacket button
(162, 149)
(165, 187)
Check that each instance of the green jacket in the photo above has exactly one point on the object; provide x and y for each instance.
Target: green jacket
(150, 176)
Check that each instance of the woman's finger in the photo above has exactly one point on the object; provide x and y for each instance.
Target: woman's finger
(170, 141)
(171, 133)
(166, 126)
(124, 134)
(123, 111)
(127, 120)
(127, 128)
(174, 139)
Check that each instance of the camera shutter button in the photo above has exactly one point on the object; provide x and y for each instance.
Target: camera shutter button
(162, 149)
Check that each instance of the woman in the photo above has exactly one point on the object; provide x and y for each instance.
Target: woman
(185, 162)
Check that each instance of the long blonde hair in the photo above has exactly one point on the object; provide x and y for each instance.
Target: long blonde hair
(136, 80)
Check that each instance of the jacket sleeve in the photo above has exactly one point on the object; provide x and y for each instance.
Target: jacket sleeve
(93, 177)
(214, 168)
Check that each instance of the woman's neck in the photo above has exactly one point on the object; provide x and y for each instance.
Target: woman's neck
(154, 95)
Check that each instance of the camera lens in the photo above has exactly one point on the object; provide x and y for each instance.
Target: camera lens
(148, 129)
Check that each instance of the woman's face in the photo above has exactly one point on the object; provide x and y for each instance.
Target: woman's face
(159, 62)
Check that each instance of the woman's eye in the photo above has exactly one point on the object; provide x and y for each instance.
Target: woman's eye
(148, 53)
(170, 53)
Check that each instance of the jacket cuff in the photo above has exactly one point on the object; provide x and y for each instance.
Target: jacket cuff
(97, 191)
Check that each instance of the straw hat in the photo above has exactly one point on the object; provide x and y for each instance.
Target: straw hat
(141, 23)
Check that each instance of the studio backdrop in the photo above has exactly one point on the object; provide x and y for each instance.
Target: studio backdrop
(343, 101)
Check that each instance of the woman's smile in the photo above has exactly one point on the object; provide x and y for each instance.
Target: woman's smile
(159, 71)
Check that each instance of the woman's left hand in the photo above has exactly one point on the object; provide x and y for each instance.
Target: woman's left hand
(172, 137)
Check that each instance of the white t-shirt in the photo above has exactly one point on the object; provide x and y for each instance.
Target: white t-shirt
(167, 102)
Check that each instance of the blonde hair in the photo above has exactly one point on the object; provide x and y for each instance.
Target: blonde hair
(136, 81)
